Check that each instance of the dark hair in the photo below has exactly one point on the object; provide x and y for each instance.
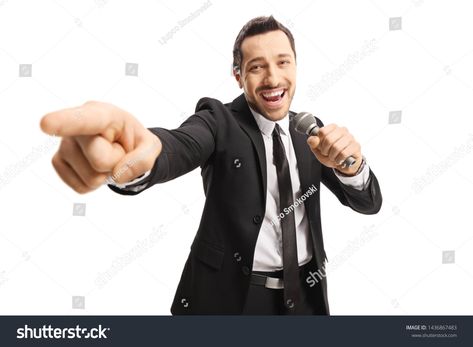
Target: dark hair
(256, 26)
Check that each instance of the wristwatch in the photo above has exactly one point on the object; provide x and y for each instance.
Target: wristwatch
(360, 169)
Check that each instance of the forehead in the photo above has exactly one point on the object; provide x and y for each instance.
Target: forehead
(266, 45)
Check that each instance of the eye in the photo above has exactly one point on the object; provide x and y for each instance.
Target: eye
(284, 62)
(255, 68)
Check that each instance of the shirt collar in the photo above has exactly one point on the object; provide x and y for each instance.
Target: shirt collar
(266, 126)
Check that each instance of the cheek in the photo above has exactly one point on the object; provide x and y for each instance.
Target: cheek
(252, 80)
(250, 86)
(290, 75)
(292, 78)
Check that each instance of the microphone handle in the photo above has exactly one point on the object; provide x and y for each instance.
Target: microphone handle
(348, 161)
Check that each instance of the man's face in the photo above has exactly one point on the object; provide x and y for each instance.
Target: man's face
(268, 73)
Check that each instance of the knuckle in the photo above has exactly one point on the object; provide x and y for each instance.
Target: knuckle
(329, 139)
(122, 171)
(65, 147)
(337, 148)
(99, 163)
(56, 161)
(132, 171)
(94, 182)
(344, 154)
(81, 189)
(323, 131)
(334, 153)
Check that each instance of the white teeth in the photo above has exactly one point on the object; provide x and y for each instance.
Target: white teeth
(277, 93)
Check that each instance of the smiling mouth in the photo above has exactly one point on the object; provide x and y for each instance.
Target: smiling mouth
(273, 95)
(273, 98)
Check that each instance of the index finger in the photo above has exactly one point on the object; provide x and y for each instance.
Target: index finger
(324, 131)
(88, 119)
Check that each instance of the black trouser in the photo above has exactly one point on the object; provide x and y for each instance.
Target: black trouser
(265, 301)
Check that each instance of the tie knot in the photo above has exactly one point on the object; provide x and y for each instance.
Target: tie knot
(277, 130)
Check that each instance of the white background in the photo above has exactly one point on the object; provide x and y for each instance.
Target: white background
(126, 254)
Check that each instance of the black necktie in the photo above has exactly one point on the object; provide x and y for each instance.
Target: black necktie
(288, 225)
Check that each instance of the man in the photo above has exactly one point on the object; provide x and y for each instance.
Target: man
(259, 242)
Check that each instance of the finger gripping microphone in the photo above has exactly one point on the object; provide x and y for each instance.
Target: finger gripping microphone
(305, 123)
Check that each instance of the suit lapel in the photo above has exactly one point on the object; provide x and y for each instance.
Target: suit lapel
(248, 124)
(303, 153)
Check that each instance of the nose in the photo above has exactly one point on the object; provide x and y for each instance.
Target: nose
(271, 77)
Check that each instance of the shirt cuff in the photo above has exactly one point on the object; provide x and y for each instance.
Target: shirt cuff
(359, 181)
(136, 185)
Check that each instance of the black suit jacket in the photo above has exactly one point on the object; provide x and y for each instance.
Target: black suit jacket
(225, 141)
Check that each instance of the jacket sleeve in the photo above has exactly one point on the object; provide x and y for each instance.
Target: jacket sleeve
(184, 149)
(366, 201)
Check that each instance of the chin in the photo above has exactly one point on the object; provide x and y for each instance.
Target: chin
(276, 115)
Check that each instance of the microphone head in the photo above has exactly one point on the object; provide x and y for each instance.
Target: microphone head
(305, 123)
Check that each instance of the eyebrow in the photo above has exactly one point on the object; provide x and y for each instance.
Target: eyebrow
(281, 55)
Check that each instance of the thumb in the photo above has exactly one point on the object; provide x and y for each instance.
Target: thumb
(136, 162)
(313, 142)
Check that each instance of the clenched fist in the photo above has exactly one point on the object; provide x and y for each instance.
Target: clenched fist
(334, 144)
(100, 140)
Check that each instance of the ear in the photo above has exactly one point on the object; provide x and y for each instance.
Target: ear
(237, 76)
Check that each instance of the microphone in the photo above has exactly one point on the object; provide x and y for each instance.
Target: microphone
(305, 123)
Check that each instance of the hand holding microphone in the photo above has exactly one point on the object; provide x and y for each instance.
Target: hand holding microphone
(333, 146)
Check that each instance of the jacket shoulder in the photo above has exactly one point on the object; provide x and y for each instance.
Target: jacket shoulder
(209, 104)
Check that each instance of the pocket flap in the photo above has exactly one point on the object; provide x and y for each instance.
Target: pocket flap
(208, 254)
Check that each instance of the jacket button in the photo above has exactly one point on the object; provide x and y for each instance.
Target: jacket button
(245, 270)
(237, 163)
(257, 219)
